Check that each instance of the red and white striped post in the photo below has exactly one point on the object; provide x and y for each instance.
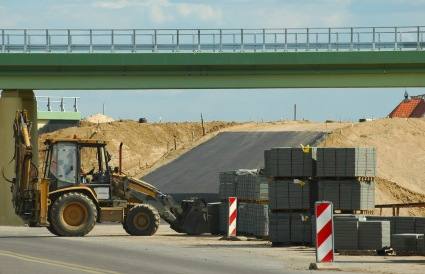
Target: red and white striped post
(324, 232)
(233, 215)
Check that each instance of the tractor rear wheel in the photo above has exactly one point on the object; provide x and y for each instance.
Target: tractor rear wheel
(73, 214)
(141, 220)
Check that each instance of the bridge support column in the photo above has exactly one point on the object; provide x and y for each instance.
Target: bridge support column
(10, 102)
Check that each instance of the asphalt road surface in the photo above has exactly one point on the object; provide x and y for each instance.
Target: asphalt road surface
(34, 250)
(197, 170)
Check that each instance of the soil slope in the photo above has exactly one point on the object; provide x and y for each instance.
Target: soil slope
(400, 145)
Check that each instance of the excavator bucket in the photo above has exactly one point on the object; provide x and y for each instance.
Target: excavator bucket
(194, 218)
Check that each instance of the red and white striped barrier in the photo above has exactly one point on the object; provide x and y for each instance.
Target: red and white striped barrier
(324, 232)
(233, 215)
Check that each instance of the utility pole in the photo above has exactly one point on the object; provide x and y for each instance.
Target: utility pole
(103, 109)
(202, 124)
(295, 112)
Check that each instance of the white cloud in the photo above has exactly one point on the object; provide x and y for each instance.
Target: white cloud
(114, 4)
(201, 11)
(158, 14)
(162, 11)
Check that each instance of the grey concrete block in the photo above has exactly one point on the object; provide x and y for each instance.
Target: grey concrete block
(345, 162)
(374, 235)
(252, 186)
(347, 194)
(287, 228)
(403, 224)
(289, 194)
(227, 184)
(288, 162)
(346, 234)
(408, 243)
(253, 219)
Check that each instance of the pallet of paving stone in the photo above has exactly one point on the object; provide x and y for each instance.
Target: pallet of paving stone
(345, 162)
(227, 184)
(347, 194)
(287, 162)
(338, 219)
(289, 194)
(408, 244)
(346, 234)
(253, 220)
(290, 228)
(374, 235)
(403, 224)
(251, 186)
(357, 195)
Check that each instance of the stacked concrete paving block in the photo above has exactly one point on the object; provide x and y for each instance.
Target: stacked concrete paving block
(357, 195)
(345, 231)
(341, 175)
(288, 162)
(290, 228)
(374, 235)
(346, 234)
(301, 228)
(348, 194)
(408, 243)
(329, 190)
(253, 219)
(289, 194)
(345, 162)
(251, 186)
(402, 224)
(227, 186)
(280, 228)
(251, 189)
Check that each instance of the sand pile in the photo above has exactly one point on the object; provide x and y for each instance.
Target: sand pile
(400, 147)
(99, 118)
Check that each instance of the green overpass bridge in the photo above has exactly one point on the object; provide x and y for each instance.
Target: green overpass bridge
(212, 58)
(58, 59)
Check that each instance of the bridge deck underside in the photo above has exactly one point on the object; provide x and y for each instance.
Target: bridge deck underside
(213, 70)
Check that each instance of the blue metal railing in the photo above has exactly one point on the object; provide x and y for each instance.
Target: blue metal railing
(211, 40)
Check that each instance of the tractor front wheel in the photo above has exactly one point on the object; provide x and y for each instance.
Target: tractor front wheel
(142, 220)
(72, 214)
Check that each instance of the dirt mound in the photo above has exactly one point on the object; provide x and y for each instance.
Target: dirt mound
(144, 144)
(99, 118)
(400, 145)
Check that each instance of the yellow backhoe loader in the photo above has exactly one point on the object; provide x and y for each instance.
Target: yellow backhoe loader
(69, 200)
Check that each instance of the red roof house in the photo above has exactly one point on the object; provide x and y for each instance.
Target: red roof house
(413, 107)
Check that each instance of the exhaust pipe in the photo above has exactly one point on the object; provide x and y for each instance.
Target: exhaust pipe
(120, 158)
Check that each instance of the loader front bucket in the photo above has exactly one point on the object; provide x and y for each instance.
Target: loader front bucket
(194, 218)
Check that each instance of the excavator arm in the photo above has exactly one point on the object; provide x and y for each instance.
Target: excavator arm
(29, 196)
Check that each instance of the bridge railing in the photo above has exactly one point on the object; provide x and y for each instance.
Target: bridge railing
(211, 40)
(55, 104)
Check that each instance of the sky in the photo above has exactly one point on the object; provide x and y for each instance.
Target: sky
(232, 105)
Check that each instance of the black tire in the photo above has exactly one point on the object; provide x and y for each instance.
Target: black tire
(72, 214)
(141, 220)
(52, 230)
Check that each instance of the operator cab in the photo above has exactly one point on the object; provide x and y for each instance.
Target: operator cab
(73, 162)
